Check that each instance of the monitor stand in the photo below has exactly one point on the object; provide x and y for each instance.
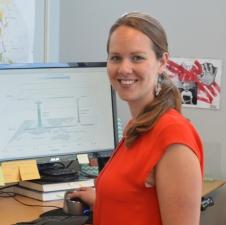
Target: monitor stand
(59, 178)
(47, 176)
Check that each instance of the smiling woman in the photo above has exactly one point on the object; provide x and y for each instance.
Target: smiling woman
(144, 177)
(133, 67)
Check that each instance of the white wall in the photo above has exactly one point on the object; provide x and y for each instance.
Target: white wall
(38, 49)
(195, 28)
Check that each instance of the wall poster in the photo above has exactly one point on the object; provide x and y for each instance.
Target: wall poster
(198, 80)
(17, 24)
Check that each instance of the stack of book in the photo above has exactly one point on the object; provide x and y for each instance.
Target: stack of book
(46, 191)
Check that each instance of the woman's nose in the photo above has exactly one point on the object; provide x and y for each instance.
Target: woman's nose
(125, 68)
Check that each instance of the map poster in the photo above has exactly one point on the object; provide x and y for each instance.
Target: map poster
(198, 80)
(17, 25)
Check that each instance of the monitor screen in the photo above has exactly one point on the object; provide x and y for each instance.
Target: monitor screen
(53, 111)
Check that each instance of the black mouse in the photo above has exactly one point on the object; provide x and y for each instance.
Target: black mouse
(75, 206)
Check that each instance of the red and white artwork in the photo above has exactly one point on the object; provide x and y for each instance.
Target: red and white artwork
(198, 81)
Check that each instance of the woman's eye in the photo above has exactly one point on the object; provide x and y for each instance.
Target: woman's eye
(138, 58)
(114, 58)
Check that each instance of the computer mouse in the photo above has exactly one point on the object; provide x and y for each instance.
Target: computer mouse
(75, 206)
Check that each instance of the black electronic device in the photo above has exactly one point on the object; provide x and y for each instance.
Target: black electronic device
(75, 206)
(54, 220)
(51, 112)
(58, 216)
(206, 202)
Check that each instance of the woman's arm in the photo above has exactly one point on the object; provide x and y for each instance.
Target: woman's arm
(179, 186)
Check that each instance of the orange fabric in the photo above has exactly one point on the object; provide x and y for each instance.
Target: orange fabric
(122, 197)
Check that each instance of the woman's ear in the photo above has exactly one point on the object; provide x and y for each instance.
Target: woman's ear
(163, 61)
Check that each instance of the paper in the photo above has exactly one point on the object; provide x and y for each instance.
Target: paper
(83, 158)
(11, 172)
(60, 195)
(29, 170)
(2, 182)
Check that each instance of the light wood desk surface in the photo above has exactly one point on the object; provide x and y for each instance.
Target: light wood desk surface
(208, 187)
(12, 211)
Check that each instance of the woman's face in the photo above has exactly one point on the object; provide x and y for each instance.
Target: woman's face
(132, 66)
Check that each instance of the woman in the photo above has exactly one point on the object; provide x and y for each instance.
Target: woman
(155, 174)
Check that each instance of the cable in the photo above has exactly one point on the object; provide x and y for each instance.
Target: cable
(89, 175)
(8, 194)
(69, 164)
(13, 195)
(60, 164)
(8, 186)
(51, 206)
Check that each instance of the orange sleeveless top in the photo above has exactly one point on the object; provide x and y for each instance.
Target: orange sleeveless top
(121, 194)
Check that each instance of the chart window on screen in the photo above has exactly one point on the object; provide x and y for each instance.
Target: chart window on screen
(55, 111)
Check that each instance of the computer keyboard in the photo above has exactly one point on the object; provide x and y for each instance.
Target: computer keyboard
(43, 220)
(59, 220)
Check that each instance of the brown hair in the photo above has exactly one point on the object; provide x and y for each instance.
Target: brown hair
(169, 96)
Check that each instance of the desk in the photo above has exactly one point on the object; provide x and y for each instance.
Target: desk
(208, 187)
(12, 211)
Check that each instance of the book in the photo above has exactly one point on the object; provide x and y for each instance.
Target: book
(39, 185)
(39, 195)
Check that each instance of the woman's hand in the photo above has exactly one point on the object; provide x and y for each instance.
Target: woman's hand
(87, 194)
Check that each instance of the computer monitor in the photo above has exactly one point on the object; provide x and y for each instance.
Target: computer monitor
(52, 112)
